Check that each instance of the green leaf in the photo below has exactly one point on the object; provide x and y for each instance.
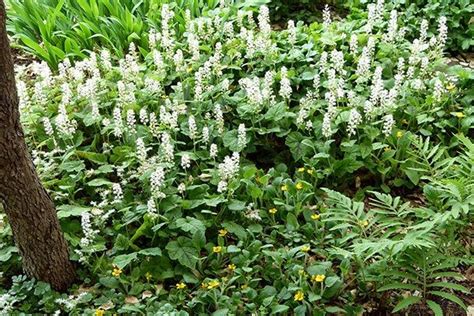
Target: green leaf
(183, 250)
(449, 296)
(236, 205)
(435, 308)
(6, 253)
(99, 182)
(155, 251)
(190, 224)
(123, 260)
(221, 312)
(71, 210)
(279, 309)
(397, 286)
(94, 157)
(410, 300)
(292, 221)
(453, 286)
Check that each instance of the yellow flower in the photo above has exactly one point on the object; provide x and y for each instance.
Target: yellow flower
(299, 186)
(148, 276)
(117, 272)
(301, 169)
(310, 171)
(213, 284)
(272, 210)
(99, 312)
(222, 232)
(190, 69)
(364, 223)
(305, 248)
(315, 216)
(318, 278)
(299, 296)
(460, 114)
(180, 285)
(451, 86)
(217, 249)
(284, 187)
(204, 285)
(399, 134)
(231, 267)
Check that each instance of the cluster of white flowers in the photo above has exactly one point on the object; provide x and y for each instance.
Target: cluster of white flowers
(326, 16)
(117, 192)
(185, 161)
(141, 150)
(252, 89)
(227, 171)
(291, 32)
(392, 31)
(285, 85)
(388, 123)
(167, 32)
(87, 230)
(157, 181)
(241, 137)
(354, 120)
(442, 31)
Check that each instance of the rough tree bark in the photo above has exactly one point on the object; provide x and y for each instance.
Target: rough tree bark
(31, 213)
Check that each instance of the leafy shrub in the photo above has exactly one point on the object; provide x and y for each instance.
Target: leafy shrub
(53, 30)
(190, 182)
(458, 14)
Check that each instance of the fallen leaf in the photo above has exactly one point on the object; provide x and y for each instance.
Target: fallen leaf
(131, 300)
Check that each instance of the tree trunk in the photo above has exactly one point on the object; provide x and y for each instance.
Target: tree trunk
(31, 213)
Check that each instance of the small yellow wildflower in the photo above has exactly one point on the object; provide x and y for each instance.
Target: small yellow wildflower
(231, 267)
(315, 216)
(451, 86)
(299, 296)
(213, 284)
(299, 186)
(272, 210)
(148, 276)
(204, 285)
(460, 114)
(399, 134)
(223, 232)
(180, 285)
(364, 223)
(99, 312)
(217, 249)
(284, 187)
(318, 278)
(117, 272)
(301, 169)
(190, 69)
(310, 171)
(305, 248)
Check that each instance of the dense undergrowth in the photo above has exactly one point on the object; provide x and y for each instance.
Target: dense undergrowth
(235, 169)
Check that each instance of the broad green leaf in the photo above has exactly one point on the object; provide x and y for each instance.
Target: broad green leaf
(123, 260)
(183, 250)
(71, 210)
